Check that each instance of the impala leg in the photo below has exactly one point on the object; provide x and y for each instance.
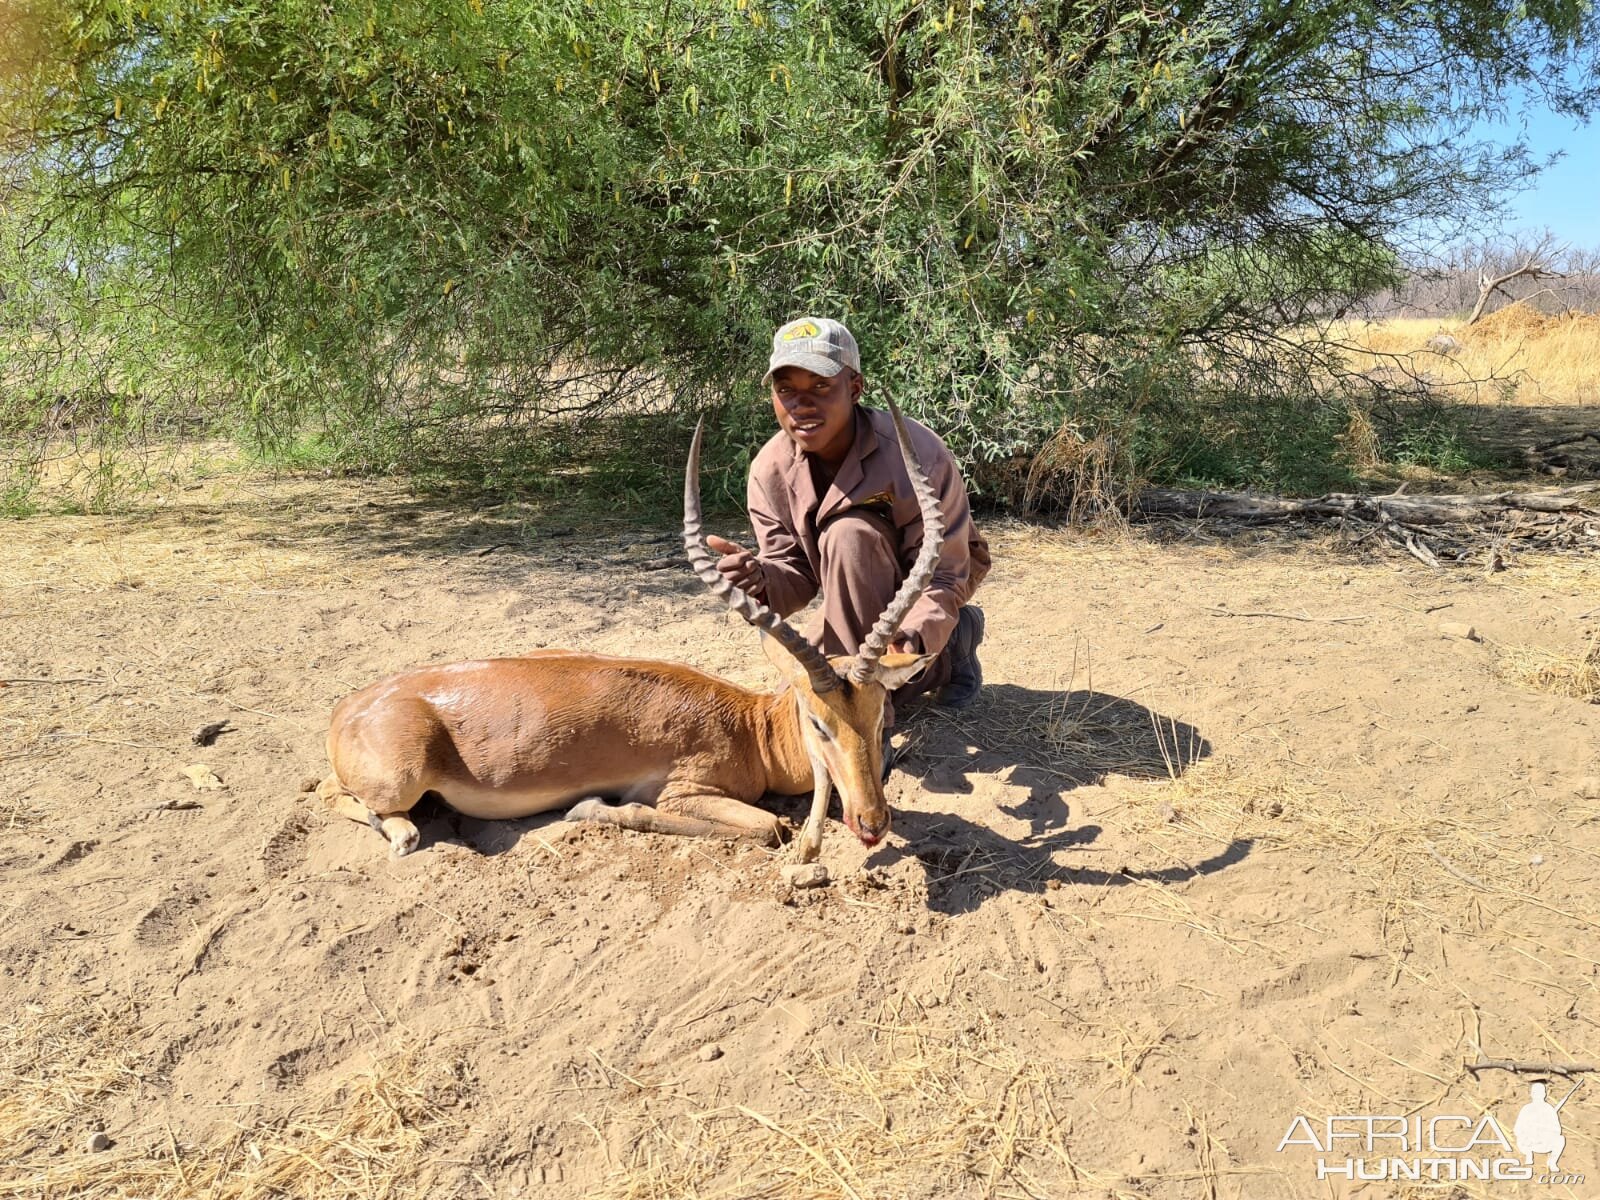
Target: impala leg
(400, 832)
(811, 835)
(692, 815)
(643, 818)
(737, 818)
(340, 800)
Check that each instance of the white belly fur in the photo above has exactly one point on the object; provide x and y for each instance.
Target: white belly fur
(498, 804)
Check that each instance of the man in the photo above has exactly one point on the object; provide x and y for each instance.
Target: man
(833, 511)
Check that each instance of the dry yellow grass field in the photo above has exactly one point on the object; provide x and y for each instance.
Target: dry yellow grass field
(1514, 355)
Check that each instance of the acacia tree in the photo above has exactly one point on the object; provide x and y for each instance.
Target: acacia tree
(400, 216)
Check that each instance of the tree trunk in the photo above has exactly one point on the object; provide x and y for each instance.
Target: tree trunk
(1583, 499)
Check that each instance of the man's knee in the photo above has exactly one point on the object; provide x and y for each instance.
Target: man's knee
(853, 541)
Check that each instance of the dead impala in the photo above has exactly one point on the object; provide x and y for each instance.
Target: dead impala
(682, 751)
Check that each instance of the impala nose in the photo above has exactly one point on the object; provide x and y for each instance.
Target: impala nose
(872, 832)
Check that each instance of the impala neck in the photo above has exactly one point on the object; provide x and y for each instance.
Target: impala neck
(783, 750)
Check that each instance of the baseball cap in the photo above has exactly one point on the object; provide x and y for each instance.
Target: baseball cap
(817, 344)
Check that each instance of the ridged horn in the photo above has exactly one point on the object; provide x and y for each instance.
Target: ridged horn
(921, 573)
(823, 677)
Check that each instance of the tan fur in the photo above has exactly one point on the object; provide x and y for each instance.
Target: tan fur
(684, 751)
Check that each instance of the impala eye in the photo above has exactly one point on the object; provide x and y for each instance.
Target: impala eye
(821, 728)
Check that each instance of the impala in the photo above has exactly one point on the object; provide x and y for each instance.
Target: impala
(679, 751)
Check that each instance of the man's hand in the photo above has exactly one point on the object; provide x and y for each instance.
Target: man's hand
(738, 566)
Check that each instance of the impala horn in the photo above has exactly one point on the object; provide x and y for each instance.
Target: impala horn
(921, 573)
(823, 677)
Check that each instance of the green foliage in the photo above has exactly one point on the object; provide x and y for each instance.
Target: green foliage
(1436, 438)
(1287, 444)
(523, 240)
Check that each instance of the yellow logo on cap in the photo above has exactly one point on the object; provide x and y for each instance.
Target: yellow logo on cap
(804, 330)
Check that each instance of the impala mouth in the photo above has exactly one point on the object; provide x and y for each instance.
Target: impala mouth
(867, 837)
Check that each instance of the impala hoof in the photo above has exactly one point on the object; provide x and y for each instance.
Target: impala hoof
(402, 834)
(592, 809)
(810, 845)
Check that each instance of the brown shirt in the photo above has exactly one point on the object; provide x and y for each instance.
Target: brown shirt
(786, 513)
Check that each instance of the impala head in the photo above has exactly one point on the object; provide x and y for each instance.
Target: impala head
(841, 700)
(842, 729)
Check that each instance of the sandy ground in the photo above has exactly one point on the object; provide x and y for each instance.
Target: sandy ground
(1236, 833)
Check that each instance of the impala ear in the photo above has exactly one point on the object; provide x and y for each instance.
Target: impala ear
(896, 670)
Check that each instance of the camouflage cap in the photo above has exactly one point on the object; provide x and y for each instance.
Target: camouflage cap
(815, 344)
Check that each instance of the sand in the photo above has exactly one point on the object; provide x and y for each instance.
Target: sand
(1237, 832)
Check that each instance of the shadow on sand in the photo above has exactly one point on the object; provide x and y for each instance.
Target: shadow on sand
(1051, 743)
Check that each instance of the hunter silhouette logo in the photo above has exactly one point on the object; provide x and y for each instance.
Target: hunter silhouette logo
(1538, 1127)
(1448, 1146)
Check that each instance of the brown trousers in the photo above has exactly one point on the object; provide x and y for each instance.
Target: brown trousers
(860, 574)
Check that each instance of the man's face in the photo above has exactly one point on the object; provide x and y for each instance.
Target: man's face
(817, 411)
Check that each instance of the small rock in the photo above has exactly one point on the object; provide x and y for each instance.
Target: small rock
(1273, 808)
(99, 1140)
(202, 777)
(207, 734)
(710, 1052)
(1167, 813)
(906, 927)
(806, 875)
(1459, 629)
(1589, 788)
(297, 896)
(1536, 861)
(1053, 884)
(308, 783)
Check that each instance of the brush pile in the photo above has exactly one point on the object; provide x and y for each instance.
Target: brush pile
(1436, 530)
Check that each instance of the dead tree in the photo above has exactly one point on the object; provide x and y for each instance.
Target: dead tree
(1536, 266)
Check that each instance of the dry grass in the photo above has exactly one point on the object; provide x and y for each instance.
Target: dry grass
(1398, 853)
(1358, 444)
(35, 715)
(1083, 479)
(1116, 736)
(375, 1134)
(55, 1066)
(1571, 673)
(1515, 355)
(945, 1106)
(1081, 732)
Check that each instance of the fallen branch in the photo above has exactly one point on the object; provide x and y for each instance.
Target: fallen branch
(1471, 880)
(1409, 539)
(1530, 1068)
(1224, 612)
(1418, 510)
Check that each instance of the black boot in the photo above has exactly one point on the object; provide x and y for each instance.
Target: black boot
(966, 672)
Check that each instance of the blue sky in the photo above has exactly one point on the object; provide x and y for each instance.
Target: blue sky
(1564, 197)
